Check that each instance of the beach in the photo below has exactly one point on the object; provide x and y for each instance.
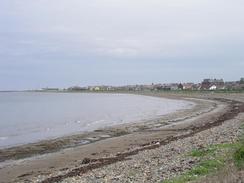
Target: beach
(113, 152)
(121, 91)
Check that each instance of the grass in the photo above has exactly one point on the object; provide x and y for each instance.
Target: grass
(239, 157)
(212, 159)
(202, 152)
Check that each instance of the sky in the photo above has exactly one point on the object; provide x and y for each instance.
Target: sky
(62, 43)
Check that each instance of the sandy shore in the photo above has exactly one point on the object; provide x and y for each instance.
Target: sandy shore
(108, 146)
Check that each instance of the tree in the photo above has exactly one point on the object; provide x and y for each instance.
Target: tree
(242, 81)
(180, 86)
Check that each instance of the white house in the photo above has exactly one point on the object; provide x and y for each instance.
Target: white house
(213, 87)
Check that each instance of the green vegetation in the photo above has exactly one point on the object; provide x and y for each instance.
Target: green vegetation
(205, 167)
(212, 159)
(202, 152)
(239, 157)
(242, 81)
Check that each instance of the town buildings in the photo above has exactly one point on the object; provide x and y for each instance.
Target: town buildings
(206, 84)
(212, 84)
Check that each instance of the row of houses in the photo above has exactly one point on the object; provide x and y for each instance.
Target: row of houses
(206, 84)
(219, 84)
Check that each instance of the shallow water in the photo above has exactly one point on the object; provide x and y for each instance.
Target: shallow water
(31, 117)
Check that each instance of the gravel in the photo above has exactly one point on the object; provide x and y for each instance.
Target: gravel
(162, 163)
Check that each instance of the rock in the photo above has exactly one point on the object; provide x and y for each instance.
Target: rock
(86, 161)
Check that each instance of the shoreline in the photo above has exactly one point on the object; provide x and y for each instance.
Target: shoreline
(147, 137)
(83, 138)
(111, 123)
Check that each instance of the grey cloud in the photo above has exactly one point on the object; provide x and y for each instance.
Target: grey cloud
(85, 35)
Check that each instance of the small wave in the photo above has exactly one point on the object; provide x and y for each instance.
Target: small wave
(98, 121)
(95, 122)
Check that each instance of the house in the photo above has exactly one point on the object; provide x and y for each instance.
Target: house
(157, 87)
(185, 86)
(110, 88)
(196, 86)
(173, 86)
(94, 88)
(188, 86)
(213, 87)
(208, 84)
(97, 88)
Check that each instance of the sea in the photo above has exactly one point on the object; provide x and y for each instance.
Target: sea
(28, 117)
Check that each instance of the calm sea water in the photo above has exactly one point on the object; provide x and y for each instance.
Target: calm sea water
(31, 117)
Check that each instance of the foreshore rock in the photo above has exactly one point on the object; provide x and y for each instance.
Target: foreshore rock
(164, 162)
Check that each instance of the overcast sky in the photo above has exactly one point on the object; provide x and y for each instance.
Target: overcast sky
(60, 43)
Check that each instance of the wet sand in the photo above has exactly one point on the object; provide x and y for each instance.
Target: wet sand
(113, 144)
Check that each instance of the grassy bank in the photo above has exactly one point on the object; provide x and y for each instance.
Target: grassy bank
(214, 161)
